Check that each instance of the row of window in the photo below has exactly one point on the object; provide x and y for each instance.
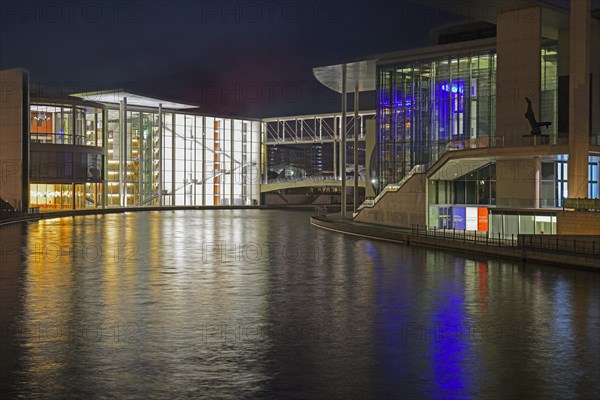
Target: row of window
(202, 160)
(66, 124)
(479, 187)
(426, 104)
(193, 160)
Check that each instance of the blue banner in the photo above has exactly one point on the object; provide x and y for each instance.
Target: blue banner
(459, 218)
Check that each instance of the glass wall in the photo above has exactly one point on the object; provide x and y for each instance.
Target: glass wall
(142, 152)
(66, 124)
(195, 161)
(94, 119)
(61, 196)
(51, 196)
(477, 187)
(428, 106)
(554, 181)
(548, 192)
(594, 177)
(511, 224)
(203, 161)
(424, 105)
(549, 90)
(113, 149)
(66, 177)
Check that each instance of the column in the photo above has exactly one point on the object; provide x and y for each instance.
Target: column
(334, 146)
(105, 165)
(232, 164)
(579, 99)
(123, 153)
(343, 141)
(203, 161)
(538, 182)
(519, 46)
(160, 155)
(355, 193)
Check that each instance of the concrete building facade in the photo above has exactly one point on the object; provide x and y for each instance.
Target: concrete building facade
(501, 121)
(117, 149)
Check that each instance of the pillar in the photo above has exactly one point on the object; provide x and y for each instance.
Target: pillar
(579, 98)
(343, 141)
(519, 46)
(160, 155)
(355, 192)
(14, 137)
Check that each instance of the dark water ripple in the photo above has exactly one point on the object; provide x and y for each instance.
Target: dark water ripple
(259, 304)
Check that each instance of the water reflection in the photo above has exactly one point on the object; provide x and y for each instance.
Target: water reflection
(259, 304)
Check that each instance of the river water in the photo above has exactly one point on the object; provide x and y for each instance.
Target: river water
(260, 304)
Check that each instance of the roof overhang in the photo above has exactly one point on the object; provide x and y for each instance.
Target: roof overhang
(116, 96)
(456, 168)
(359, 74)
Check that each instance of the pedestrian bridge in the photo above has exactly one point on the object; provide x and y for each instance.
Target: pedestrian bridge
(308, 182)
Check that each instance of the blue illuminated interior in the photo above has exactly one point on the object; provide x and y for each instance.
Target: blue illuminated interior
(450, 108)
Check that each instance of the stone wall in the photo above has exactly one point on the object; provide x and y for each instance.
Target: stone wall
(14, 94)
(519, 44)
(577, 223)
(516, 183)
(403, 208)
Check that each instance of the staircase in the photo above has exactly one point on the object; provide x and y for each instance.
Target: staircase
(282, 197)
(150, 199)
(392, 187)
(311, 198)
(4, 205)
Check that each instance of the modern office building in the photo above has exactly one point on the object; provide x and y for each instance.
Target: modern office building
(117, 149)
(492, 129)
(455, 146)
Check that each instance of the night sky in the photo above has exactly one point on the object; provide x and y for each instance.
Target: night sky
(230, 58)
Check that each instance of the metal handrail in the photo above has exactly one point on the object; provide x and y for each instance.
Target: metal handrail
(393, 187)
(308, 178)
(535, 242)
(60, 138)
(7, 214)
(582, 204)
(481, 142)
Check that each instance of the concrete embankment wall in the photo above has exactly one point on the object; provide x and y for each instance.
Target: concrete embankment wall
(403, 208)
(573, 243)
(374, 232)
(512, 253)
(102, 211)
(300, 199)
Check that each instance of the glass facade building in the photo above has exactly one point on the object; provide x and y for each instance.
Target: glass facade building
(95, 155)
(435, 104)
(429, 106)
(67, 155)
(424, 105)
